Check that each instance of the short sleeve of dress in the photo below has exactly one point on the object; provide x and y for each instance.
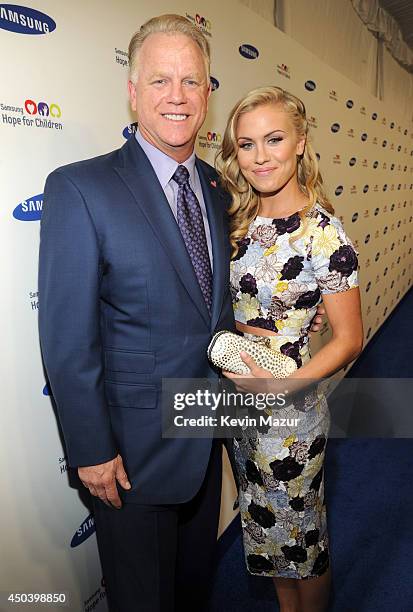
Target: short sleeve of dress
(334, 258)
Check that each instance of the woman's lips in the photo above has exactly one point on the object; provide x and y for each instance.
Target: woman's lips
(264, 171)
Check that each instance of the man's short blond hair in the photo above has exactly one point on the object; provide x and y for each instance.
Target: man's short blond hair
(166, 24)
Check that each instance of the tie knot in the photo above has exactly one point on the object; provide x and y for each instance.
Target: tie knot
(181, 175)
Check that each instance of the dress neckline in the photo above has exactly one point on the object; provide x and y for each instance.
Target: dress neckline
(280, 218)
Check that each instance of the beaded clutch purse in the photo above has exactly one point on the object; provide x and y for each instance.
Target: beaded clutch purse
(225, 348)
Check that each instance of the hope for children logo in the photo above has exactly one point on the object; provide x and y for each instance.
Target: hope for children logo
(32, 114)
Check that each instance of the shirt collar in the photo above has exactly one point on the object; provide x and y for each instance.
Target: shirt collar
(163, 165)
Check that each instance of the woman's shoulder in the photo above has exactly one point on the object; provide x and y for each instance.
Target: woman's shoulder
(321, 218)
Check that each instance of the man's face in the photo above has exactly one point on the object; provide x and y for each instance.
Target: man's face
(171, 94)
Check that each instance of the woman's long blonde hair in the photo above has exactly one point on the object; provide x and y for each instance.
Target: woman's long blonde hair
(245, 199)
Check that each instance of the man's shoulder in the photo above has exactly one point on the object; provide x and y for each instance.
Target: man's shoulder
(89, 168)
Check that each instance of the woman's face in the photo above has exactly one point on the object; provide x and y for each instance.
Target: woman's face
(267, 148)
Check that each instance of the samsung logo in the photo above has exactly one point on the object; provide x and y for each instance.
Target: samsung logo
(30, 209)
(349, 103)
(248, 51)
(24, 20)
(310, 85)
(214, 83)
(335, 127)
(364, 136)
(352, 161)
(129, 130)
(339, 190)
(84, 532)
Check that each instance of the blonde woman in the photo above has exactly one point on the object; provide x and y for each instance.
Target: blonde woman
(289, 253)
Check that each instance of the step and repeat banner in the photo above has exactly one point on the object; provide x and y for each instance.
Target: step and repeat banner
(63, 97)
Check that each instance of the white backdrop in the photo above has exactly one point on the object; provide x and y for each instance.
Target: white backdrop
(74, 77)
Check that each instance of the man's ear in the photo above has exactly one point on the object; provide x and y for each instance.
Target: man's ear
(132, 95)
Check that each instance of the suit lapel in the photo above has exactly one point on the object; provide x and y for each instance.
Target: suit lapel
(137, 173)
(214, 205)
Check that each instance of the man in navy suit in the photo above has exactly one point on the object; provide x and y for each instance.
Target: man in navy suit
(124, 305)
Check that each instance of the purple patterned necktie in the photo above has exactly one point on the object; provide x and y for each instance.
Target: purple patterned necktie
(191, 225)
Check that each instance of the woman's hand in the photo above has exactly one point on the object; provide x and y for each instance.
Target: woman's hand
(254, 382)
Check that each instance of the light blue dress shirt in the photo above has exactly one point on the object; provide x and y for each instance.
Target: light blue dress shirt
(164, 167)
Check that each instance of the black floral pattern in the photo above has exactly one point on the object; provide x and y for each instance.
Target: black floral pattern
(288, 224)
(286, 469)
(242, 248)
(344, 260)
(317, 446)
(297, 503)
(248, 284)
(263, 323)
(311, 537)
(321, 563)
(252, 472)
(259, 564)
(292, 349)
(308, 299)
(295, 553)
(292, 267)
(261, 515)
(316, 481)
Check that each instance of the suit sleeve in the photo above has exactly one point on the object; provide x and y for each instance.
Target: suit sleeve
(69, 322)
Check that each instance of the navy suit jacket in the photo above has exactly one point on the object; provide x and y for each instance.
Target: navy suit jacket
(120, 309)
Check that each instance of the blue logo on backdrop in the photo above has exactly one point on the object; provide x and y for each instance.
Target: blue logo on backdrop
(25, 20)
(310, 85)
(46, 390)
(214, 83)
(130, 130)
(349, 103)
(30, 209)
(84, 531)
(249, 51)
(335, 127)
(339, 190)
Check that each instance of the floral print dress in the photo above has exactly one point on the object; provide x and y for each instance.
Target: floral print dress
(276, 284)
